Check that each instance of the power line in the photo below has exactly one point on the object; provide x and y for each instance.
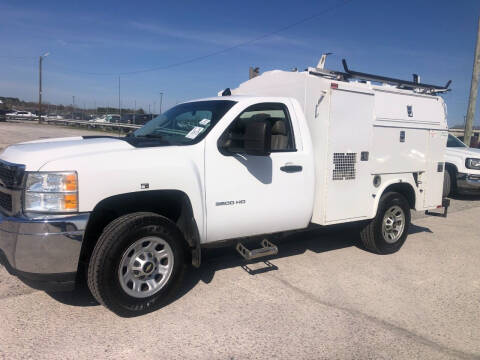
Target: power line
(17, 57)
(224, 50)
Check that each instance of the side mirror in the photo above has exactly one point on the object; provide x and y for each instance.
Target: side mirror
(257, 138)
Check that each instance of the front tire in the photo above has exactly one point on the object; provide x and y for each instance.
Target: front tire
(386, 233)
(137, 264)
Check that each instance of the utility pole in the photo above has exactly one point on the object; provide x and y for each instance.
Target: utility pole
(134, 110)
(473, 91)
(40, 60)
(149, 112)
(119, 104)
(40, 89)
(161, 101)
(73, 106)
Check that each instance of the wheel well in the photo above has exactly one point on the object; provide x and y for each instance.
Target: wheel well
(452, 168)
(405, 189)
(173, 204)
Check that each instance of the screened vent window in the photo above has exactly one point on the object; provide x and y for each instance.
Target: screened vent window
(344, 166)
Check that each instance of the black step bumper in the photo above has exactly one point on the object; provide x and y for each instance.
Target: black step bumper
(445, 205)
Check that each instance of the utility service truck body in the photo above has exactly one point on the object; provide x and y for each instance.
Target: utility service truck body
(281, 152)
(360, 132)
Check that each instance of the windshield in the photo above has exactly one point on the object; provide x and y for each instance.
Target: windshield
(454, 142)
(185, 123)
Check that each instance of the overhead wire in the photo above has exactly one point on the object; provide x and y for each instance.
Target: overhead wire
(221, 51)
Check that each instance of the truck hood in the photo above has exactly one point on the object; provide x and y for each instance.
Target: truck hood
(466, 152)
(35, 154)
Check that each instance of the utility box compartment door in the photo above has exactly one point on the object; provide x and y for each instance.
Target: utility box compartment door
(348, 178)
(435, 166)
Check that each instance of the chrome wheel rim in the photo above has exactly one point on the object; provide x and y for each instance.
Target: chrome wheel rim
(393, 224)
(145, 267)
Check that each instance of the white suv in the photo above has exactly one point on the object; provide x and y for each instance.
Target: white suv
(462, 167)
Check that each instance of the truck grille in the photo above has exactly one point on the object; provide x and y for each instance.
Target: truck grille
(6, 201)
(6, 176)
(11, 175)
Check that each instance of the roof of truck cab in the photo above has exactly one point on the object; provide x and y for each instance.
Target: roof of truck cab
(239, 98)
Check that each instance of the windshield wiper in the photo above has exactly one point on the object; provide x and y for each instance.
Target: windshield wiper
(154, 136)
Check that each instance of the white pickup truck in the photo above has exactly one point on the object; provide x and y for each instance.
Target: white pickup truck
(283, 151)
(462, 167)
(21, 115)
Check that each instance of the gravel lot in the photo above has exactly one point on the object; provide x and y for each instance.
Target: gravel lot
(321, 297)
(14, 132)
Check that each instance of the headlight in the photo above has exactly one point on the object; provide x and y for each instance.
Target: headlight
(473, 164)
(49, 192)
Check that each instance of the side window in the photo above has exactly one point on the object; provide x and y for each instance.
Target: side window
(276, 113)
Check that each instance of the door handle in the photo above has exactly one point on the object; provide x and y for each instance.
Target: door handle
(291, 168)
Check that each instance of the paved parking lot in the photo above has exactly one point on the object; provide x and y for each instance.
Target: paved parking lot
(14, 132)
(323, 296)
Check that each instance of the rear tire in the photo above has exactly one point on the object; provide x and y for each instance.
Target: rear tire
(447, 183)
(386, 233)
(137, 264)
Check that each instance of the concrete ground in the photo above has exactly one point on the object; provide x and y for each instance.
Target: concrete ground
(322, 297)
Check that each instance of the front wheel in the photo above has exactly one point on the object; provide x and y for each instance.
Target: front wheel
(137, 264)
(386, 233)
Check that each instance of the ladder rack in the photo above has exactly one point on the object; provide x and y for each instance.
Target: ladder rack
(402, 84)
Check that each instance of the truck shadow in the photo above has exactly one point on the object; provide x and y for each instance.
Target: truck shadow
(221, 258)
(318, 241)
(81, 296)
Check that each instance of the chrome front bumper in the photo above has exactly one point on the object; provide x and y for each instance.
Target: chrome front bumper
(468, 181)
(43, 252)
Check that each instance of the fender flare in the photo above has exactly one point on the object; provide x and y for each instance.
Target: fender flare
(392, 183)
(112, 207)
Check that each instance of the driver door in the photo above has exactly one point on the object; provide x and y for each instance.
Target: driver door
(248, 195)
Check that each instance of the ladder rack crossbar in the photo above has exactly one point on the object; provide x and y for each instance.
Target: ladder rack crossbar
(406, 84)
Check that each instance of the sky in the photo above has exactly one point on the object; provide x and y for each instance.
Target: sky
(198, 48)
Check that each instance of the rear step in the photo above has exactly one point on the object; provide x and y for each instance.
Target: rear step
(445, 205)
(267, 249)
